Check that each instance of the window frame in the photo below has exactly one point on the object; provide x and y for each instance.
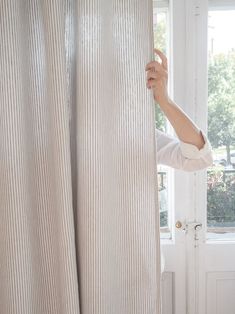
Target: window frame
(166, 232)
(188, 65)
(212, 232)
(221, 5)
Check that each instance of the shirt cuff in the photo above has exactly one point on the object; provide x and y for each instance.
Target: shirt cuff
(192, 152)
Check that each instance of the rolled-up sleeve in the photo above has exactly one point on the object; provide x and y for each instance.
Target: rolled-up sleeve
(180, 155)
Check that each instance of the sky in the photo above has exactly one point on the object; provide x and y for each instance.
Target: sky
(221, 29)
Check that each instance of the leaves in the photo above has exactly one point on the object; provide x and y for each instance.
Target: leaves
(221, 100)
(220, 197)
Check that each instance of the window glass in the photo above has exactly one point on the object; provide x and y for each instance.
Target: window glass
(161, 41)
(221, 124)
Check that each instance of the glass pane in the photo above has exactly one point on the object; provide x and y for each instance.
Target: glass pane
(160, 29)
(221, 125)
(161, 41)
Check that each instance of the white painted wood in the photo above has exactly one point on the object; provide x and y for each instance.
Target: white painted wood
(220, 292)
(174, 249)
(222, 4)
(199, 266)
(214, 260)
(167, 293)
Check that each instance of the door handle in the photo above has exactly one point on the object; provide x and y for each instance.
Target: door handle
(188, 225)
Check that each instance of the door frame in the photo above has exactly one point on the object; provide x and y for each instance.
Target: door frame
(181, 65)
(207, 251)
(186, 258)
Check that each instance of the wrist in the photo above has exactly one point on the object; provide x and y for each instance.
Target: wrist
(164, 101)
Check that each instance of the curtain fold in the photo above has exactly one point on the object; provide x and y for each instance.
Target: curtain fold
(79, 219)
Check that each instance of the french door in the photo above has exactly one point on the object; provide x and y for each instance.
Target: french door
(198, 240)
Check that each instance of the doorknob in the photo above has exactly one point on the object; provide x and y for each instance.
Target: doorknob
(182, 226)
(178, 224)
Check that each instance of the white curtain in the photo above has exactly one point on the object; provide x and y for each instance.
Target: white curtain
(79, 219)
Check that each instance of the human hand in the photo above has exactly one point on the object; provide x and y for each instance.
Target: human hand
(157, 78)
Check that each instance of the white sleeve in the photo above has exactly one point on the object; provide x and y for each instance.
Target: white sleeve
(180, 155)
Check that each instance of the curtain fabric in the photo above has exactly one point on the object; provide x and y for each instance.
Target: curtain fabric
(79, 219)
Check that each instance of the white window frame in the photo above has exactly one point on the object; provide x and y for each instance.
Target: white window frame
(189, 89)
(187, 65)
(163, 6)
(214, 5)
(221, 4)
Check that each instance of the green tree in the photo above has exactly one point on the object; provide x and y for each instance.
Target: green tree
(220, 197)
(221, 101)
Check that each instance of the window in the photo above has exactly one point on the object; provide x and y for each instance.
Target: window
(221, 123)
(161, 41)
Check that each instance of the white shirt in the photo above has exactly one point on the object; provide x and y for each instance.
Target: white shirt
(180, 155)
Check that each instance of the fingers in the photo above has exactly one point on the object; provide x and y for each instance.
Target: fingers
(152, 83)
(152, 75)
(153, 65)
(162, 57)
(156, 70)
(156, 75)
(157, 65)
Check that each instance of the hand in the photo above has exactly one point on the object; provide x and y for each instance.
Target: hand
(157, 78)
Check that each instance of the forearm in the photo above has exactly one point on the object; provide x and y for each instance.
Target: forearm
(157, 78)
(184, 127)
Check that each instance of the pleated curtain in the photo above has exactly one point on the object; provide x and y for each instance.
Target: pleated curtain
(79, 219)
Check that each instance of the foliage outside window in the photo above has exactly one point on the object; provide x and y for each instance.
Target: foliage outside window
(221, 124)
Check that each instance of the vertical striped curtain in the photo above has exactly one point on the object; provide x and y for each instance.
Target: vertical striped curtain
(79, 220)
